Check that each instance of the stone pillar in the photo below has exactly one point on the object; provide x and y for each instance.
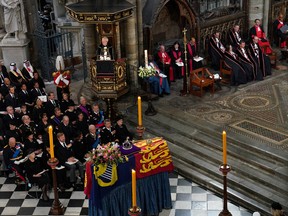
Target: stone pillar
(140, 32)
(131, 50)
(266, 15)
(118, 41)
(255, 11)
(14, 51)
(59, 9)
(89, 31)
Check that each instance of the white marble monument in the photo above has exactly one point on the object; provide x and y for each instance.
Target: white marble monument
(14, 44)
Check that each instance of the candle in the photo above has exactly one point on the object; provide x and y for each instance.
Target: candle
(224, 148)
(133, 188)
(50, 132)
(146, 58)
(139, 111)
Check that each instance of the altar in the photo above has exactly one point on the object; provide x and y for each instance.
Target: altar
(152, 162)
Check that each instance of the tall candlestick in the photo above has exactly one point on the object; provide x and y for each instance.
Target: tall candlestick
(50, 131)
(134, 203)
(139, 111)
(146, 58)
(224, 148)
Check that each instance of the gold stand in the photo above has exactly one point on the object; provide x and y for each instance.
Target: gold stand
(57, 207)
(225, 168)
(185, 90)
(134, 211)
(140, 131)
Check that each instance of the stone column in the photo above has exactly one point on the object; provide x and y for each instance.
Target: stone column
(140, 31)
(132, 51)
(266, 15)
(59, 9)
(255, 11)
(89, 34)
(118, 41)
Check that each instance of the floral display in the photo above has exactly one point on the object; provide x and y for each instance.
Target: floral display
(107, 154)
(146, 71)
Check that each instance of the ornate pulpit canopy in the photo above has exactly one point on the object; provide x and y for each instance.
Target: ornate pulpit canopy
(100, 11)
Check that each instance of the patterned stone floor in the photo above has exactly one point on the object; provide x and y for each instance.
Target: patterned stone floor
(188, 200)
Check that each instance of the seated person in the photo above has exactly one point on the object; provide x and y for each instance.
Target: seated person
(28, 70)
(216, 50)
(108, 132)
(36, 78)
(277, 25)
(258, 31)
(81, 124)
(164, 62)
(64, 154)
(27, 126)
(13, 154)
(56, 119)
(234, 36)
(71, 113)
(92, 139)
(122, 133)
(11, 98)
(16, 76)
(64, 103)
(238, 75)
(79, 147)
(84, 108)
(97, 116)
(66, 128)
(13, 131)
(158, 83)
(35, 174)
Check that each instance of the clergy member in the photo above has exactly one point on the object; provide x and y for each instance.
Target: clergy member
(216, 50)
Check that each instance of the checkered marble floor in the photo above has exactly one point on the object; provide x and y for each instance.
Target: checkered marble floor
(188, 200)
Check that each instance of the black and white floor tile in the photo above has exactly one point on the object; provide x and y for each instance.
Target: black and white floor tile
(188, 200)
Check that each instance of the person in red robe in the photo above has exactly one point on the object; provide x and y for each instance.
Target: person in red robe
(278, 34)
(257, 30)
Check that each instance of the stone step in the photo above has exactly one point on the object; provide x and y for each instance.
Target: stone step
(196, 143)
(257, 157)
(190, 172)
(241, 182)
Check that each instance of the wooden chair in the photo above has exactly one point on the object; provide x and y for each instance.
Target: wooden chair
(225, 72)
(272, 56)
(199, 79)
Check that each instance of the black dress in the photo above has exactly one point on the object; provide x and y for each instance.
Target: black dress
(33, 168)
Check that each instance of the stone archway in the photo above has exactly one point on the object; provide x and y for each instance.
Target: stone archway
(167, 21)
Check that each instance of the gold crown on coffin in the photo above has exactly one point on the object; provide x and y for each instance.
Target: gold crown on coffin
(60, 63)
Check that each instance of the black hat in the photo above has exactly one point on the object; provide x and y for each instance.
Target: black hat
(71, 103)
(30, 150)
(119, 117)
(28, 133)
(13, 122)
(276, 206)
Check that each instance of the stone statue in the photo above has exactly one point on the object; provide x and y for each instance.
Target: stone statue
(14, 17)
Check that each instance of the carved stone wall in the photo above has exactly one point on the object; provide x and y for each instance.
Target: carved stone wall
(222, 24)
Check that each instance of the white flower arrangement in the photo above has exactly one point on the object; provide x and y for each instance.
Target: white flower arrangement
(146, 71)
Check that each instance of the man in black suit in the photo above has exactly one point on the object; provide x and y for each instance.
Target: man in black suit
(11, 116)
(64, 154)
(11, 99)
(38, 79)
(108, 132)
(36, 91)
(66, 128)
(25, 97)
(3, 74)
(51, 104)
(5, 87)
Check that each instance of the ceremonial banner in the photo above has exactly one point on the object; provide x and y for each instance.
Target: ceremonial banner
(88, 179)
(154, 158)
